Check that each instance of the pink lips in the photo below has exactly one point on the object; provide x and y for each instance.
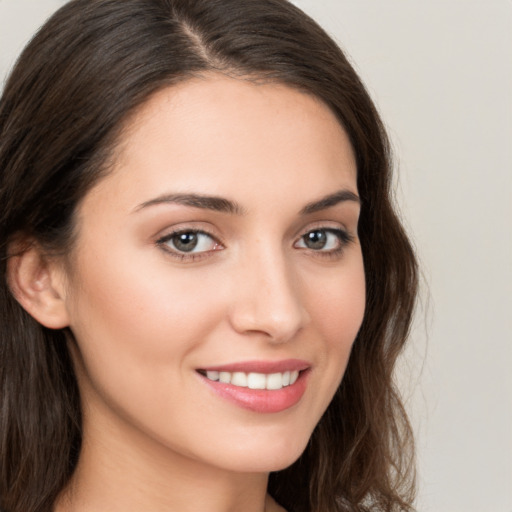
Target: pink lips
(261, 400)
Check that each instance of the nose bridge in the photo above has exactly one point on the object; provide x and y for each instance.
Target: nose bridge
(268, 298)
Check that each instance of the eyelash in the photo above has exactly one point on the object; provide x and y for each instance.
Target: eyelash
(344, 238)
(184, 256)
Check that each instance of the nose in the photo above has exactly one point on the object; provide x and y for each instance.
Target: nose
(267, 299)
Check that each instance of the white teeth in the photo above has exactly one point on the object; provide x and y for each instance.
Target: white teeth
(225, 377)
(271, 381)
(275, 381)
(256, 381)
(239, 379)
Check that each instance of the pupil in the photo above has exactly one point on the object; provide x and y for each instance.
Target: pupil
(185, 242)
(316, 240)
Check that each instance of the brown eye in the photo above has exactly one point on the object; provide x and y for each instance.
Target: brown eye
(316, 240)
(324, 240)
(189, 242)
(185, 242)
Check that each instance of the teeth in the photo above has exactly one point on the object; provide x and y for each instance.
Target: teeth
(253, 380)
(275, 381)
(225, 377)
(239, 379)
(256, 381)
(213, 375)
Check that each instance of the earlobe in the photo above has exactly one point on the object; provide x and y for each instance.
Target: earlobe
(38, 286)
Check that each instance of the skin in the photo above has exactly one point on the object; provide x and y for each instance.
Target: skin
(145, 319)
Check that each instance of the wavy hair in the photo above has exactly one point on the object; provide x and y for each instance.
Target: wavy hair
(61, 113)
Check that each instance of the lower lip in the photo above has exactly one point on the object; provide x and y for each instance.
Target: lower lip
(261, 400)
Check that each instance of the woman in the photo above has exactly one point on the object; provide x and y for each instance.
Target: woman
(204, 285)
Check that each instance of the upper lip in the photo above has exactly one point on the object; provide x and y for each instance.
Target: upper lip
(284, 365)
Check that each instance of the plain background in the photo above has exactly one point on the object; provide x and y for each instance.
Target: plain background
(441, 75)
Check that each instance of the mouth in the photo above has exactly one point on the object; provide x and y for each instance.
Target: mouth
(264, 387)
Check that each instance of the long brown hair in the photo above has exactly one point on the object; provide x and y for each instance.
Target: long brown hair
(90, 66)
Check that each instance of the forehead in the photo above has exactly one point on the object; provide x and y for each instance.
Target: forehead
(222, 135)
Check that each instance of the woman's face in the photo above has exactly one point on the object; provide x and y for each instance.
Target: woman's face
(217, 282)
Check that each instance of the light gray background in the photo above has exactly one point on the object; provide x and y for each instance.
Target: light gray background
(441, 74)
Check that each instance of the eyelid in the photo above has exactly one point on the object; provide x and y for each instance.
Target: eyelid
(327, 225)
(162, 240)
(343, 232)
(189, 226)
(344, 235)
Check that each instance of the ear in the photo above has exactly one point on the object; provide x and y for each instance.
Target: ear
(38, 284)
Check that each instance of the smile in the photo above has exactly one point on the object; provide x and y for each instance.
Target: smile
(253, 380)
(260, 386)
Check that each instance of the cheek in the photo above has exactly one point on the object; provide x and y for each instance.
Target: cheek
(138, 321)
(135, 333)
(339, 309)
(134, 295)
(337, 314)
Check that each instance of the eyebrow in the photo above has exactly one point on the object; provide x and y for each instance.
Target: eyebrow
(329, 201)
(223, 205)
(218, 204)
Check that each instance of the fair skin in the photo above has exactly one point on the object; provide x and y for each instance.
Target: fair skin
(271, 275)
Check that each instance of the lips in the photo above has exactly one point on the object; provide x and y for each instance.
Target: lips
(260, 386)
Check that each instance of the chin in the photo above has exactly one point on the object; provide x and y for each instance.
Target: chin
(267, 456)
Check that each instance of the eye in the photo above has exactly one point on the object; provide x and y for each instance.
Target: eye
(189, 242)
(328, 240)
